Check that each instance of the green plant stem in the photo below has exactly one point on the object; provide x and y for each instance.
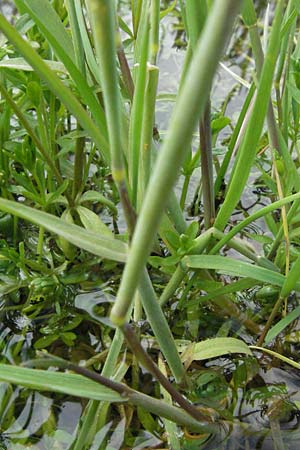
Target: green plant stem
(196, 14)
(103, 25)
(184, 190)
(276, 139)
(161, 327)
(286, 41)
(277, 241)
(79, 161)
(95, 408)
(234, 138)
(173, 284)
(190, 105)
(138, 105)
(40, 244)
(147, 130)
(154, 31)
(76, 36)
(149, 403)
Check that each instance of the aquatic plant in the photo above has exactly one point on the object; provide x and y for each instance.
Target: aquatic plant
(79, 147)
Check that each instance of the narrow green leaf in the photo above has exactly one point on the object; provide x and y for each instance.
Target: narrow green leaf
(168, 10)
(65, 383)
(291, 279)
(212, 348)
(91, 221)
(21, 64)
(281, 325)
(256, 215)
(234, 267)
(87, 240)
(249, 143)
(96, 197)
(237, 286)
(47, 19)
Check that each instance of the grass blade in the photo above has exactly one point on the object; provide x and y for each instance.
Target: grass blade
(87, 240)
(65, 383)
(249, 143)
(234, 267)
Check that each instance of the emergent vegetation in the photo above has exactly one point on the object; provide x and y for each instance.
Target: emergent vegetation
(119, 291)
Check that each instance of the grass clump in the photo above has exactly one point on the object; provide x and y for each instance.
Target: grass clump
(107, 268)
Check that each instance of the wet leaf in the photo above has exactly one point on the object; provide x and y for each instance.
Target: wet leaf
(212, 348)
(282, 324)
(65, 383)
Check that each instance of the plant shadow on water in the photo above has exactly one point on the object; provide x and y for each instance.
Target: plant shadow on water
(54, 296)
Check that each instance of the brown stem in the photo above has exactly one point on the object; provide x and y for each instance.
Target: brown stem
(269, 322)
(207, 168)
(127, 78)
(147, 362)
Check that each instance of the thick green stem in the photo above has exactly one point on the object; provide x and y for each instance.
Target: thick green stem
(160, 327)
(189, 107)
(103, 25)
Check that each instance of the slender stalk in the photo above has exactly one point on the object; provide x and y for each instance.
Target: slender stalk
(40, 244)
(250, 20)
(174, 212)
(288, 285)
(154, 31)
(237, 132)
(269, 321)
(263, 211)
(207, 168)
(80, 160)
(160, 327)
(136, 398)
(196, 13)
(103, 25)
(190, 105)
(147, 130)
(286, 41)
(148, 364)
(138, 105)
(76, 36)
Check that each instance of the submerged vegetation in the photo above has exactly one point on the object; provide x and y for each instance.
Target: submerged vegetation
(138, 292)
